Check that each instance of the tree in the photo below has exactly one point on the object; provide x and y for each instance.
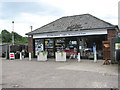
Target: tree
(17, 37)
(6, 36)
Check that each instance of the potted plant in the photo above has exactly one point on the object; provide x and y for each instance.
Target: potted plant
(90, 55)
(42, 56)
(60, 56)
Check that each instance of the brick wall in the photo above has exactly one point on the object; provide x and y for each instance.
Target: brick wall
(111, 37)
(112, 45)
(30, 44)
(111, 33)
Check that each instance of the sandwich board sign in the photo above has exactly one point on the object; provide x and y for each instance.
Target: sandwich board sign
(12, 56)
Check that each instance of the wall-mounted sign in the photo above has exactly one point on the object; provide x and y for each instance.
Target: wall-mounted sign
(81, 33)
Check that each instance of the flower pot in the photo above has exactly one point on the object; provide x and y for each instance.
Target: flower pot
(60, 56)
(42, 56)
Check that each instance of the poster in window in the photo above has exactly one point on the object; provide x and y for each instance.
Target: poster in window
(38, 46)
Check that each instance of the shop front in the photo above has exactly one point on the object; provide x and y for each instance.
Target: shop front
(70, 45)
(73, 35)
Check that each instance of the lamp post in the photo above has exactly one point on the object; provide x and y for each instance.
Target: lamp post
(13, 33)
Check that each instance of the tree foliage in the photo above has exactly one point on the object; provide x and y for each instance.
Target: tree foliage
(6, 36)
(18, 39)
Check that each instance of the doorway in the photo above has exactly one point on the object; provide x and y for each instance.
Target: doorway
(49, 47)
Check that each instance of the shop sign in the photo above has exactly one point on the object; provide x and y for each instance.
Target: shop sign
(71, 34)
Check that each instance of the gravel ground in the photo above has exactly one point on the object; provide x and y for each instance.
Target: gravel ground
(51, 74)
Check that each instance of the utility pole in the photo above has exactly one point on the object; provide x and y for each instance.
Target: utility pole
(13, 33)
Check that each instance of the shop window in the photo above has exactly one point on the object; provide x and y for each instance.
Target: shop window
(71, 47)
(60, 44)
(38, 46)
(49, 47)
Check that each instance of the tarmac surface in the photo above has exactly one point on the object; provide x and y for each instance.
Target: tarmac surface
(52, 74)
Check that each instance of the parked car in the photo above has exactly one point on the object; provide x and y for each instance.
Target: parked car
(70, 52)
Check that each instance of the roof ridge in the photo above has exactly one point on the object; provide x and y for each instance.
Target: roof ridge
(76, 15)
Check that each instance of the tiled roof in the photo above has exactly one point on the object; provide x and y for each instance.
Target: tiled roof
(84, 21)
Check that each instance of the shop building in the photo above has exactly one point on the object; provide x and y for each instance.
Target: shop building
(72, 34)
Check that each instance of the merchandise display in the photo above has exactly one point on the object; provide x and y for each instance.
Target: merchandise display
(49, 46)
(60, 44)
(38, 46)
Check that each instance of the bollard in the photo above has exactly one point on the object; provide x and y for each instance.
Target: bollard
(30, 56)
(20, 56)
(78, 57)
(6, 54)
(95, 53)
(95, 57)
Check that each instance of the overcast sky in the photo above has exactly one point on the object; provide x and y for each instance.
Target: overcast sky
(37, 13)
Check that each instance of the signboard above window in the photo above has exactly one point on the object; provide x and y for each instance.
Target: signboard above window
(80, 33)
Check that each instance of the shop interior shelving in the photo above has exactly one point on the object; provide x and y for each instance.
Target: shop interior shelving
(49, 46)
(59, 44)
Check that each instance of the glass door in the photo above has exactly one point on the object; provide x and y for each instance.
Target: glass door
(60, 44)
(49, 47)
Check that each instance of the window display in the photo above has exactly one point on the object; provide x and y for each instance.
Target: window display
(38, 46)
(49, 46)
(60, 44)
(71, 47)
